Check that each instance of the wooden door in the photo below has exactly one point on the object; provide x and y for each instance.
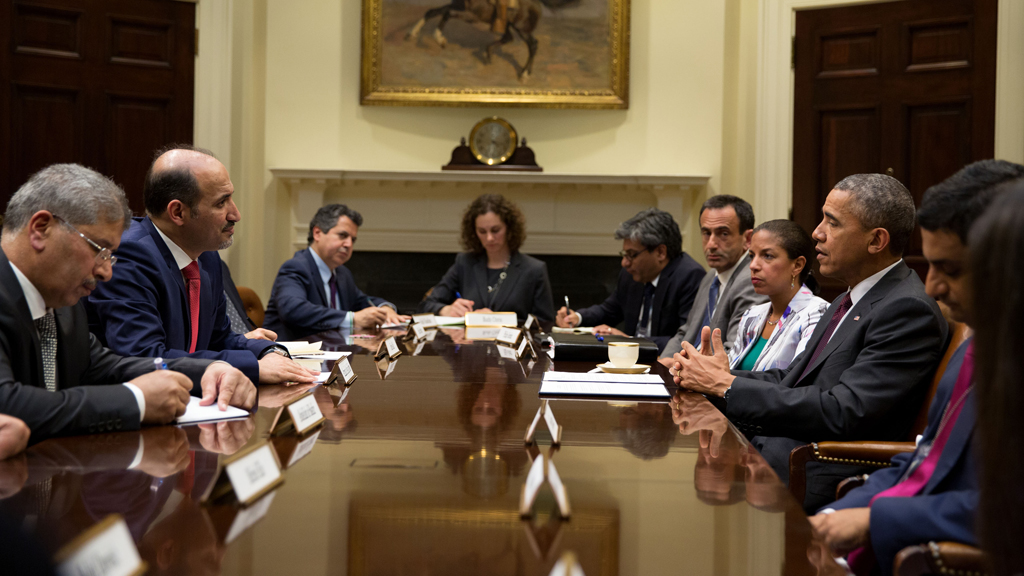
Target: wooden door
(102, 83)
(907, 86)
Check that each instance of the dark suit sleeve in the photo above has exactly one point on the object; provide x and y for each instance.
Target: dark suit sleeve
(106, 366)
(899, 350)
(878, 481)
(543, 303)
(900, 522)
(444, 292)
(610, 311)
(293, 306)
(132, 324)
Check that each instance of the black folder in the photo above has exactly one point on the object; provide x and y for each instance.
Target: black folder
(587, 348)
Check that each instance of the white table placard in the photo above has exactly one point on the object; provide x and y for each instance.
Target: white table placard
(425, 320)
(611, 389)
(491, 319)
(506, 352)
(106, 548)
(531, 323)
(419, 331)
(246, 517)
(524, 347)
(561, 495)
(509, 336)
(553, 426)
(254, 473)
(392, 347)
(305, 413)
(534, 480)
(348, 375)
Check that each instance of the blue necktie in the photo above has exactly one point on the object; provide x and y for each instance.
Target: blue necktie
(709, 310)
(645, 312)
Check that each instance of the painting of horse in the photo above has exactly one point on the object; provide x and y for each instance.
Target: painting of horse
(534, 53)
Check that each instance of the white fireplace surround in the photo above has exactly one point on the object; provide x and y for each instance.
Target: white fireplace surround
(572, 214)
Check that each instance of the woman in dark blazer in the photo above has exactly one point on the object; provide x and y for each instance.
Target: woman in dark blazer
(492, 275)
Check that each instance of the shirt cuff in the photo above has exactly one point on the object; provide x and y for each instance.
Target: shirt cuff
(138, 455)
(140, 399)
(349, 322)
(579, 320)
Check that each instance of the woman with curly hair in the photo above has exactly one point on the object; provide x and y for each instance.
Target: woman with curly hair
(492, 275)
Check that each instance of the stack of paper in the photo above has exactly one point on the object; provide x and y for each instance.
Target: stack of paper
(196, 413)
(584, 384)
(296, 348)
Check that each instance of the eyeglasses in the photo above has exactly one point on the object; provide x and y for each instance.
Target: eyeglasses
(102, 254)
(629, 255)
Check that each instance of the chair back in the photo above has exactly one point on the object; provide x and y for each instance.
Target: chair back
(253, 304)
(958, 332)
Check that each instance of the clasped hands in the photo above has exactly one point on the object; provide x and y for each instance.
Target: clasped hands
(705, 370)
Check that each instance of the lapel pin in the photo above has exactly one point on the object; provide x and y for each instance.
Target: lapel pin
(855, 318)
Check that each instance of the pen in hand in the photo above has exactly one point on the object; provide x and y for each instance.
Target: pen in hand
(159, 364)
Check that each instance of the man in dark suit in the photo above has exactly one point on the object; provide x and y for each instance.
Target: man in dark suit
(930, 494)
(166, 297)
(866, 371)
(726, 225)
(60, 230)
(315, 292)
(656, 287)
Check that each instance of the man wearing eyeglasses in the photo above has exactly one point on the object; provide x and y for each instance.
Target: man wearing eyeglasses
(166, 296)
(726, 225)
(656, 286)
(59, 234)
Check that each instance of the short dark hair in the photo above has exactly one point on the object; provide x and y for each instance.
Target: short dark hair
(652, 228)
(160, 188)
(880, 201)
(743, 210)
(956, 202)
(327, 217)
(506, 210)
(796, 242)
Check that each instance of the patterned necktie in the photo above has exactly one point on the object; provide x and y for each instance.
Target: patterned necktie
(47, 327)
(334, 291)
(643, 330)
(844, 306)
(191, 273)
(862, 560)
(709, 311)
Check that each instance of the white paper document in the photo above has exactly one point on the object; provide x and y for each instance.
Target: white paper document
(196, 413)
(394, 325)
(602, 377)
(616, 389)
(322, 377)
(295, 348)
(327, 355)
(450, 320)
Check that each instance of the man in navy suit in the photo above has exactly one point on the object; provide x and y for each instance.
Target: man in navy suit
(314, 292)
(166, 296)
(930, 494)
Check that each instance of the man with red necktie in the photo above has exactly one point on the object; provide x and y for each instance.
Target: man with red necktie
(930, 494)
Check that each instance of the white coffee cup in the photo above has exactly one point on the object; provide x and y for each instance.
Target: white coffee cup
(623, 354)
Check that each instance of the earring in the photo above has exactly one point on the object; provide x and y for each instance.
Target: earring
(792, 282)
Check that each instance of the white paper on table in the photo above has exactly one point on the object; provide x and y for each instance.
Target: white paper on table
(322, 377)
(394, 325)
(196, 413)
(556, 376)
(560, 330)
(301, 347)
(603, 389)
(327, 355)
(450, 320)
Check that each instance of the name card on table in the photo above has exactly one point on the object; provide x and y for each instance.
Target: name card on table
(302, 414)
(526, 348)
(492, 319)
(554, 427)
(506, 352)
(418, 331)
(342, 373)
(385, 366)
(543, 469)
(531, 324)
(388, 349)
(509, 336)
(250, 474)
(425, 320)
(106, 548)
(482, 332)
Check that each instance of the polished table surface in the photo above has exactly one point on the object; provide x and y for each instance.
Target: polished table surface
(421, 472)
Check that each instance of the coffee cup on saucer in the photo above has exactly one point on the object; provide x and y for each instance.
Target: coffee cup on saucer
(623, 354)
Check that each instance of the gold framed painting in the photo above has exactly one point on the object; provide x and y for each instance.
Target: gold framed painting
(509, 53)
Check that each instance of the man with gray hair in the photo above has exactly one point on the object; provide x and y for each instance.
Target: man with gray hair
(656, 286)
(865, 373)
(59, 235)
(314, 292)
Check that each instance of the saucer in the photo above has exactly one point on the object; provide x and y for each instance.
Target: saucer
(634, 369)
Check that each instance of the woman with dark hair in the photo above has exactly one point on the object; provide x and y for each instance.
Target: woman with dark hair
(492, 275)
(996, 245)
(772, 334)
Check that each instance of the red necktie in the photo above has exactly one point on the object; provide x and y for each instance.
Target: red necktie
(191, 273)
(862, 560)
(844, 306)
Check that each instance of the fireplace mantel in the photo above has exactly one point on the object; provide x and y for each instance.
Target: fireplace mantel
(420, 211)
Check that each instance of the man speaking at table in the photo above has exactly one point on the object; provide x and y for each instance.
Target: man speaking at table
(166, 296)
(314, 292)
(865, 372)
(60, 231)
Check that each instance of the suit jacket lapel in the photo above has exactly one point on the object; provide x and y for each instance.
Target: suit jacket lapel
(22, 316)
(723, 293)
(165, 252)
(659, 293)
(314, 274)
(480, 280)
(959, 440)
(508, 286)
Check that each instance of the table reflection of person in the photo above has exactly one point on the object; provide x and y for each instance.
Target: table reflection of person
(340, 417)
(646, 430)
(183, 541)
(226, 437)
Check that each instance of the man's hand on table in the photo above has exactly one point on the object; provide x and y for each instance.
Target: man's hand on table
(14, 434)
(278, 369)
(705, 371)
(565, 318)
(393, 317)
(277, 395)
(457, 309)
(370, 317)
(262, 334)
(166, 393)
(228, 386)
(843, 530)
(606, 330)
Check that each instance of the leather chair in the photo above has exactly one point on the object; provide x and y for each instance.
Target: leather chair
(946, 558)
(253, 305)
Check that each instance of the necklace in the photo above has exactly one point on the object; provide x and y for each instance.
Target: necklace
(492, 291)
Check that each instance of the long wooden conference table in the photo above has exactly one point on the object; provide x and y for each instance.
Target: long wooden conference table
(419, 468)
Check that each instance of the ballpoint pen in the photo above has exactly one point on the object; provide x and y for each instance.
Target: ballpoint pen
(159, 364)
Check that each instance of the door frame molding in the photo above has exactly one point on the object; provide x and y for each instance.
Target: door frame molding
(773, 155)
